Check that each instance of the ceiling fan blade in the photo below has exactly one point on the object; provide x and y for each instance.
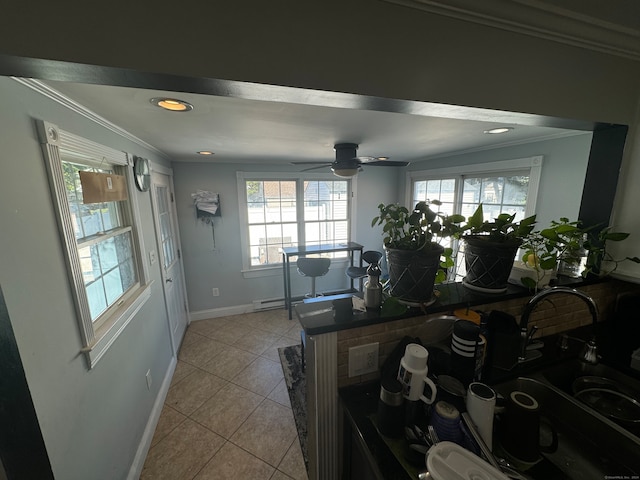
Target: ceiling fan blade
(387, 163)
(311, 163)
(316, 168)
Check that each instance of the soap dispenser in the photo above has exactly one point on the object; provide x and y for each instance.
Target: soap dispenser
(372, 288)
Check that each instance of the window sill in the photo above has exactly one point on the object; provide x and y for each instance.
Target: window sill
(110, 330)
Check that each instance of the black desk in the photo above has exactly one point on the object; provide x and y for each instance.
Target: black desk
(302, 251)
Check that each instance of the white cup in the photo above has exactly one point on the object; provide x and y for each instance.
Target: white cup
(413, 374)
(481, 404)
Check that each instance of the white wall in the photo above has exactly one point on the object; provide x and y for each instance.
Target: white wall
(92, 420)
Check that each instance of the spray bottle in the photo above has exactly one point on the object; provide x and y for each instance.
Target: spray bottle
(372, 288)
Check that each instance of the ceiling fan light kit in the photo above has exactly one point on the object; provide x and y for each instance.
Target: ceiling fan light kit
(345, 172)
(347, 164)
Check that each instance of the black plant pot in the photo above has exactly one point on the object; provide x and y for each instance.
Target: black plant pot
(488, 264)
(412, 273)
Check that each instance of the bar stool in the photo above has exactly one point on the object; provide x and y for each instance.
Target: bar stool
(370, 256)
(313, 267)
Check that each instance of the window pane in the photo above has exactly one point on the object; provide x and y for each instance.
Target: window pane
(312, 233)
(498, 193)
(269, 204)
(289, 234)
(419, 191)
(89, 263)
(516, 189)
(91, 220)
(113, 285)
(492, 190)
(433, 189)
(96, 298)
(255, 192)
(256, 212)
(107, 253)
(274, 215)
(257, 234)
(108, 270)
(471, 190)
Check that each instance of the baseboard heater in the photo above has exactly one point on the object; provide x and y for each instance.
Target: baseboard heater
(268, 304)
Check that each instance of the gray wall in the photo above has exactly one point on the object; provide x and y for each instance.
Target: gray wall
(417, 56)
(564, 166)
(563, 171)
(207, 267)
(91, 421)
(360, 46)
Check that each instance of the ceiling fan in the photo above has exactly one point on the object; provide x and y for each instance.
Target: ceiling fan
(347, 164)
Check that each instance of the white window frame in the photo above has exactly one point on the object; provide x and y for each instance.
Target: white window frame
(254, 271)
(502, 168)
(96, 340)
(534, 164)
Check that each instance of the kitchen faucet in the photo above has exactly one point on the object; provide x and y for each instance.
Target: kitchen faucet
(589, 354)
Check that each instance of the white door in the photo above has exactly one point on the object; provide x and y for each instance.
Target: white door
(169, 247)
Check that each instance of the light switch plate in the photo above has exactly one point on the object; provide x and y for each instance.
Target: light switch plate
(363, 359)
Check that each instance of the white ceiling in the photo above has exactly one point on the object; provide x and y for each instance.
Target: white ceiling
(241, 130)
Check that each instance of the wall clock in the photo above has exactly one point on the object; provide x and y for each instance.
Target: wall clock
(142, 173)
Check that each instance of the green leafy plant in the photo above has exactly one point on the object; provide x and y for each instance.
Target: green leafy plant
(416, 230)
(420, 229)
(601, 262)
(504, 229)
(567, 241)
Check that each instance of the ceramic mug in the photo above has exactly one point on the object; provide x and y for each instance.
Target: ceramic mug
(412, 373)
(481, 404)
(520, 429)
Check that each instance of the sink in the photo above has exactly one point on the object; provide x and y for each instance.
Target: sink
(589, 446)
(607, 391)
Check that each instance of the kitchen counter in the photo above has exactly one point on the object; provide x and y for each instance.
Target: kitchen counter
(384, 456)
(317, 317)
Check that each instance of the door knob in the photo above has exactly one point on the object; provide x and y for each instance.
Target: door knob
(169, 280)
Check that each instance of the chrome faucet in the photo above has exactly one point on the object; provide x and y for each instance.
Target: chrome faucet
(589, 354)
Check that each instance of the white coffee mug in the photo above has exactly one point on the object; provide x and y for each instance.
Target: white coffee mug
(481, 404)
(413, 374)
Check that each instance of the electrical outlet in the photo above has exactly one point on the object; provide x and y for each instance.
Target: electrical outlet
(363, 359)
(149, 379)
(216, 292)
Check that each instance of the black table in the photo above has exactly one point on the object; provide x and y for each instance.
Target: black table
(304, 250)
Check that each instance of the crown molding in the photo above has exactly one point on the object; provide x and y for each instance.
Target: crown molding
(53, 94)
(539, 19)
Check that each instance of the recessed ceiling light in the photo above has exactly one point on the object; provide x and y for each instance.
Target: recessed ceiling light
(172, 104)
(498, 130)
(205, 152)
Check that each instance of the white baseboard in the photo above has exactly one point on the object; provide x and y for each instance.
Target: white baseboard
(152, 423)
(221, 312)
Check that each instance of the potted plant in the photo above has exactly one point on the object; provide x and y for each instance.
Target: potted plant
(490, 248)
(571, 249)
(601, 262)
(538, 264)
(558, 249)
(415, 257)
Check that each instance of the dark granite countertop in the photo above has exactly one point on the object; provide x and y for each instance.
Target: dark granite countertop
(360, 401)
(360, 405)
(317, 317)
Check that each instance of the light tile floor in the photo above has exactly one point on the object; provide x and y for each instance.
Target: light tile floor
(227, 414)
